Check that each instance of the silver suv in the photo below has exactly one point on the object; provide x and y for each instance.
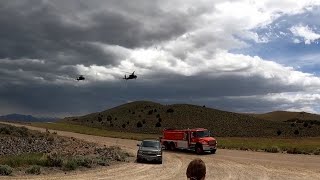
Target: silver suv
(149, 150)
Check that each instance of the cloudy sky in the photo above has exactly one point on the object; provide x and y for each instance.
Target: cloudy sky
(236, 55)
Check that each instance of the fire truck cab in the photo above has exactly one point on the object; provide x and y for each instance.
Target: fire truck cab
(197, 140)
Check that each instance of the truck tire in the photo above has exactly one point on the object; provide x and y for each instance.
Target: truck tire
(199, 149)
(166, 145)
(172, 146)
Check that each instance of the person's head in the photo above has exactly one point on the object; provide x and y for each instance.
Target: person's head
(196, 170)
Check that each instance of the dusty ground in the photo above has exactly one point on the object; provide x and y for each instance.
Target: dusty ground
(226, 164)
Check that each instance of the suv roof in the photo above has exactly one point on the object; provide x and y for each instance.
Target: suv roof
(154, 140)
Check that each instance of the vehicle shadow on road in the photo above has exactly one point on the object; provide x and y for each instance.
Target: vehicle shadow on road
(147, 162)
(187, 152)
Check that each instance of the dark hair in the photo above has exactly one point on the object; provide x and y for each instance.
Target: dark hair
(196, 169)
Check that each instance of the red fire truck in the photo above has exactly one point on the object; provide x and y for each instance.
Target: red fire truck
(198, 140)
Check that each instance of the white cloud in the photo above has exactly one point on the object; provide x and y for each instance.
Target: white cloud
(305, 32)
(296, 41)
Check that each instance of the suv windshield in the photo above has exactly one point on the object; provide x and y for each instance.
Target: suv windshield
(150, 144)
(201, 134)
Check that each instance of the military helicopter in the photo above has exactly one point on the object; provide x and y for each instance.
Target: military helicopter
(81, 78)
(131, 76)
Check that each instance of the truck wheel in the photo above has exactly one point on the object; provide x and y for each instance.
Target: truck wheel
(166, 145)
(199, 149)
(172, 146)
(213, 151)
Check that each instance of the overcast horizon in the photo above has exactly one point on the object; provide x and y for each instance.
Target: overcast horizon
(236, 55)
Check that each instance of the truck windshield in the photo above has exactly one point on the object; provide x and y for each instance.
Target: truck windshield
(201, 134)
(150, 144)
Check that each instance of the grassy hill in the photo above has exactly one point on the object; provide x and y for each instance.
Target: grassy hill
(150, 117)
(287, 116)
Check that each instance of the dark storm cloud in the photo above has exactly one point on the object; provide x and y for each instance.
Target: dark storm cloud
(49, 30)
(83, 99)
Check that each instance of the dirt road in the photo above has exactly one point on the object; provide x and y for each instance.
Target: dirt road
(226, 164)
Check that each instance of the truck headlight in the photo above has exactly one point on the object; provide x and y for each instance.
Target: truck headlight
(159, 153)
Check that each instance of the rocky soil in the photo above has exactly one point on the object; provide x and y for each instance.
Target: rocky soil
(62, 153)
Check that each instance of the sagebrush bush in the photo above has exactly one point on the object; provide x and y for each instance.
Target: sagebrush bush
(83, 161)
(316, 152)
(69, 165)
(273, 149)
(34, 170)
(293, 151)
(54, 159)
(102, 162)
(5, 170)
(139, 124)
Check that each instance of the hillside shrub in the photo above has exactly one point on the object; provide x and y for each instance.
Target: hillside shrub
(109, 118)
(293, 124)
(158, 115)
(123, 125)
(155, 110)
(5, 170)
(139, 124)
(170, 110)
(128, 122)
(296, 132)
(158, 124)
(159, 120)
(34, 170)
(279, 132)
(115, 118)
(99, 119)
(305, 124)
(133, 112)
(150, 112)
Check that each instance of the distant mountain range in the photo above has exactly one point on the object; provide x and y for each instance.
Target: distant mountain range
(27, 118)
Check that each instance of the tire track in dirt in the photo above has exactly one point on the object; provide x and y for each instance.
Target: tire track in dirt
(226, 164)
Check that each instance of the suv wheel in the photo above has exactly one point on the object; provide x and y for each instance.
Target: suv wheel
(213, 151)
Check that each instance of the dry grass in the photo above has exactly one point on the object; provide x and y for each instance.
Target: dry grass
(289, 145)
(94, 131)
